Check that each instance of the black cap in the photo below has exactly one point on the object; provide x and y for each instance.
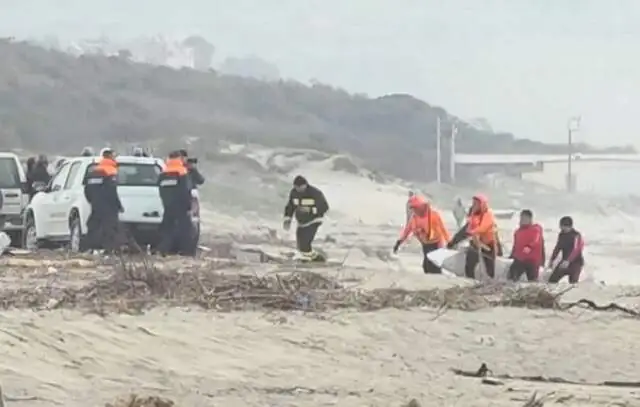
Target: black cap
(299, 180)
(566, 221)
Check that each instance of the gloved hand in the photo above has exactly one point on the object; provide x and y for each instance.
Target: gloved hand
(286, 225)
(564, 264)
(396, 246)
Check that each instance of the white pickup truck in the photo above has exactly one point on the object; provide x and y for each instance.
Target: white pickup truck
(59, 213)
(13, 195)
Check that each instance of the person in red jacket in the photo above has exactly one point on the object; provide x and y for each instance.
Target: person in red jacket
(528, 249)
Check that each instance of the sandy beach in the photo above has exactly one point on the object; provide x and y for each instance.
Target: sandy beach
(68, 355)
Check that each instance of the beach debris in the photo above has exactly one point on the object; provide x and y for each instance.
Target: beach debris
(484, 372)
(133, 400)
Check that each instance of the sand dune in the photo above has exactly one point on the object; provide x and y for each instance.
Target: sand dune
(345, 357)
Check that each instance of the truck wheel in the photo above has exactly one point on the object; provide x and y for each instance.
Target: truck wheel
(30, 239)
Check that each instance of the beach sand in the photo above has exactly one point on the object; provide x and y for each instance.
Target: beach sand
(73, 357)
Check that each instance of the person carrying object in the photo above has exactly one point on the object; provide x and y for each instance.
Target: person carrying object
(528, 251)
(309, 205)
(176, 228)
(570, 246)
(481, 230)
(427, 226)
(101, 191)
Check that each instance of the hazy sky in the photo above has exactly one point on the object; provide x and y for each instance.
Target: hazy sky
(525, 65)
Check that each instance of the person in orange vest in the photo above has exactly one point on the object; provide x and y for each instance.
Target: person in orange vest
(175, 193)
(101, 191)
(427, 226)
(481, 230)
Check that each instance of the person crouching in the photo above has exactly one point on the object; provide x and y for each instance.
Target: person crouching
(427, 226)
(309, 205)
(528, 249)
(176, 228)
(570, 246)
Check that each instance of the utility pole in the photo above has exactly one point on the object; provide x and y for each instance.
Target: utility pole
(438, 152)
(572, 125)
(452, 154)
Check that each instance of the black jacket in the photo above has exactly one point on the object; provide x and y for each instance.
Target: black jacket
(195, 177)
(570, 245)
(37, 174)
(101, 192)
(175, 192)
(308, 206)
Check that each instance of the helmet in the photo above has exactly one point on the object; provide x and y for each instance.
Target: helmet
(417, 201)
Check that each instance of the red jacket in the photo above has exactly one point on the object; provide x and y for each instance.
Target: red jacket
(528, 244)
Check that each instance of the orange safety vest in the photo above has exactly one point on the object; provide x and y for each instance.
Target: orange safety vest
(428, 229)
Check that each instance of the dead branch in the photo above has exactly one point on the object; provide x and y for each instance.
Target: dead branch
(484, 371)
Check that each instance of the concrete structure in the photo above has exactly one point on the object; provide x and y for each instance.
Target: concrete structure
(472, 166)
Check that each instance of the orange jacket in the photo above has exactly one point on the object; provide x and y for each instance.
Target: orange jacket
(481, 225)
(108, 167)
(428, 228)
(175, 166)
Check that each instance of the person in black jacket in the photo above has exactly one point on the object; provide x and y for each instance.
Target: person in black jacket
(175, 192)
(38, 176)
(308, 204)
(191, 164)
(570, 247)
(101, 191)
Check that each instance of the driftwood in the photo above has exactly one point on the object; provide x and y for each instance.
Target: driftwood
(135, 283)
(484, 372)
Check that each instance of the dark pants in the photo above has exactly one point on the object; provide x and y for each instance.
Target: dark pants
(177, 233)
(518, 268)
(305, 236)
(427, 266)
(572, 272)
(103, 229)
(471, 261)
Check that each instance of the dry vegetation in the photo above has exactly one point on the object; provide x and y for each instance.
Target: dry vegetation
(51, 99)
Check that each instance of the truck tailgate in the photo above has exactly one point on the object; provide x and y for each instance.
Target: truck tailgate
(141, 204)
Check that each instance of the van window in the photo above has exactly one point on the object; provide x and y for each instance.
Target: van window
(135, 175)
(9, 173)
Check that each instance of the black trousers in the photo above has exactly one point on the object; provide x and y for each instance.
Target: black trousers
(518, 268)
(305, 236)
(177, 233)
(103, 230)
(427, 266)
(572, 272)
(472, 259)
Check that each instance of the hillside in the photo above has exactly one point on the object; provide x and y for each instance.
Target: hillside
(53, 101)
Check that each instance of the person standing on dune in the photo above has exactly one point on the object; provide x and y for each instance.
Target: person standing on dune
(481, 229)
(570, 246)
(408, 210)
(427, 226)
(309, 205)
(528, 249)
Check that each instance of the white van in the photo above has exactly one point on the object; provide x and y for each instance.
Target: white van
(13, 195)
